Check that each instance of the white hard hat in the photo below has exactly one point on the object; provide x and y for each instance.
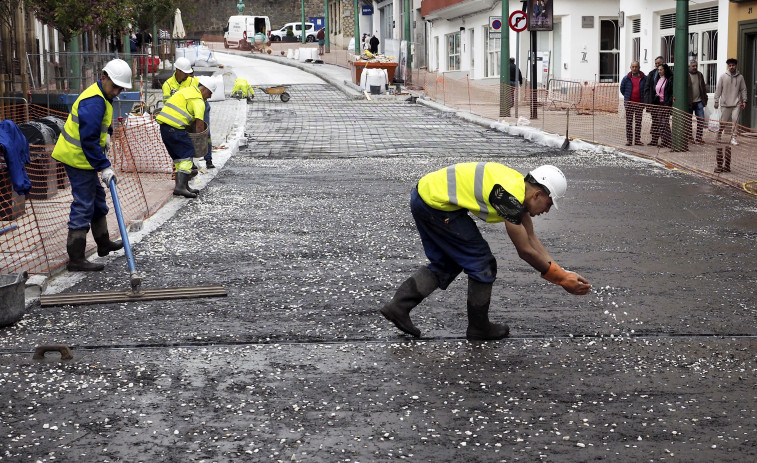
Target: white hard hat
(119, 72)
(553, 179)
(209, 83)
(183, 65)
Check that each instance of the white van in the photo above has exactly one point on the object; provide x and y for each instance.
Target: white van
(240, 31)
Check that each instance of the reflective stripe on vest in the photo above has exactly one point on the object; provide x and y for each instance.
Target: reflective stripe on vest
(68, 148)
(468, 186)
(175, 112)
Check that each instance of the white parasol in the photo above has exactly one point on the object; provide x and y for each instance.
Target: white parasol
(178, 26)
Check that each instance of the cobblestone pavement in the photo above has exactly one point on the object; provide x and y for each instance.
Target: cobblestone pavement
(309, 230)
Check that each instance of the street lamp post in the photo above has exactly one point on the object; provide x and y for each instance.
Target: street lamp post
(302, 17)
(681, 118)
(327, 43)
(408, 32)
(357, 28)
(505, 93)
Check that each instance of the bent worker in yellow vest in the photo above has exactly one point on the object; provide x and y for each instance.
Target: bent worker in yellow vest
(242, 89)
(440, 204)
(185, 107)
(82, 147)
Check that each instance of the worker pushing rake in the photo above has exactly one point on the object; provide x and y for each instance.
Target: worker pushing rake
(82, 148)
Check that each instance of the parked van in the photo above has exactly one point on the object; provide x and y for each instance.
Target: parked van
(240, 31)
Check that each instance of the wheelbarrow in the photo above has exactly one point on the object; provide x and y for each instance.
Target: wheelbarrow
(276, 92)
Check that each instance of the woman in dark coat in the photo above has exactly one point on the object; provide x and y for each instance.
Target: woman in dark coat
(662, 98)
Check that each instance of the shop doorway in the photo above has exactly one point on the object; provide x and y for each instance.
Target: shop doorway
(747, 56)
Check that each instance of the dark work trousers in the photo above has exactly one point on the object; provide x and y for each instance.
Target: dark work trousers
(634, 114)
(209, 156)
(89, 198)
(661, 125)
(452, 243)
(698, 110)
(177, 141)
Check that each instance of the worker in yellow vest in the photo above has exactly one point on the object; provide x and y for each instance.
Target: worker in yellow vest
(82, 148)
(184, 109)
(184, 77)
(242, 89)
(440, 204)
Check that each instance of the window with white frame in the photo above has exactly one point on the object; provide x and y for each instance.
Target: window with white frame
(493, 50)
(703, 41)
(453, 51)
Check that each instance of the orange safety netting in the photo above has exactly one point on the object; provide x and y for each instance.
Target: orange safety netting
(33, 229)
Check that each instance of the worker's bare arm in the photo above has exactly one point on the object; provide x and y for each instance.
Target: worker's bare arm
(529, 250)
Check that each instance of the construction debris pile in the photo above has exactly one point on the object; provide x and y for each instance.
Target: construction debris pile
(373, 57)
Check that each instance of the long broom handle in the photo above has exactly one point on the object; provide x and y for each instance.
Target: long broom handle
(122, 226)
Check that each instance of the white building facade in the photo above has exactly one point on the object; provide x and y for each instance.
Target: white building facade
(591, 40)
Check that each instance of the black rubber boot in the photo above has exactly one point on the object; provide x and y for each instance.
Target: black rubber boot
(182, 181)
(76, 245)
(209, 164)
(100, 231)
(190, 189)
(410, 293)
(195, 171)
(479, 326)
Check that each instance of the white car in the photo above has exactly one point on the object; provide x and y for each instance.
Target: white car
(296, 28)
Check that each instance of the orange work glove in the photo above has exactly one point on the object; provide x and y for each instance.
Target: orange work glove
(572, 282)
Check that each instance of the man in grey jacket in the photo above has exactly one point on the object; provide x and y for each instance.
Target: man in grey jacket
(697, 101)
(730, 97)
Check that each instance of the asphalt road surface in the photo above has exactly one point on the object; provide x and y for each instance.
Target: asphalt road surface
(309, 230)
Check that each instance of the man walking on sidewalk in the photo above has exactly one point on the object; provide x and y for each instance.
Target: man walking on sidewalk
(632, 87)
(440, 203)
(516, 81)
(730, 93)
(82, 148)
(697, 101)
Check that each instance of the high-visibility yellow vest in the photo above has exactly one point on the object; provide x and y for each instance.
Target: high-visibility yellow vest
(468, 186)
(241, 85)
(172, 86)
(183, 108)
(68, 148)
